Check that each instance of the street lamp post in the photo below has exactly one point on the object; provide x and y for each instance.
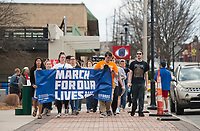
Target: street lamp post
(121, 35)
(126, 32)
(173, 55)
(153, 101)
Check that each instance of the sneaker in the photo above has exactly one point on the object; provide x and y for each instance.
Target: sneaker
(102, 115)
(48, 113)
(141, 114)
(88, 111)
(66, 112)
(35, 112)
(109, 113)
(132, 113)
(40, 116)
(129, 104)
(58, 115)
(117, 110)
(77, 112)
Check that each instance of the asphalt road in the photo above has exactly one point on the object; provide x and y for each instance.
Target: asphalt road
(192, 116)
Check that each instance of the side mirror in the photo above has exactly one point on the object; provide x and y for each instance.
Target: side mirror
(174, 79)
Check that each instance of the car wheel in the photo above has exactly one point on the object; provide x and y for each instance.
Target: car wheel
(172, 105)
(178, 109)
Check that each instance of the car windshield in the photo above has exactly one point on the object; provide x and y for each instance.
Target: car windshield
(188, 74)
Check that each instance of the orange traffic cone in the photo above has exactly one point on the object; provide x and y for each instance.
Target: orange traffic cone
(159, 95)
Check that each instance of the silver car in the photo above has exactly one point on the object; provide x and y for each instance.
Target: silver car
(185, 88)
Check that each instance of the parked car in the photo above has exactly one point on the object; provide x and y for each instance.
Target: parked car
(185, 88)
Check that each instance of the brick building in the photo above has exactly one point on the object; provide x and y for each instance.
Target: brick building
(21, 44)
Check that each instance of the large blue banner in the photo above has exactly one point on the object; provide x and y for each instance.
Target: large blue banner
(71, 84)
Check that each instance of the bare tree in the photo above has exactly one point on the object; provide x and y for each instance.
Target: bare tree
(132, 14)
(10, 15)
(174, 20)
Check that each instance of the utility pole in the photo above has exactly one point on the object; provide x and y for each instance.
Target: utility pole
(173, 55)
(106, 30)
(113, 39)
(65, 25)
(144, 43)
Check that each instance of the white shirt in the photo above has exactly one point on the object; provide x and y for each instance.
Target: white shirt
(62, 66)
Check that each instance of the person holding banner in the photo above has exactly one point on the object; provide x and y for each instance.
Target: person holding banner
(75, 103)
(165, 82)
(47, 107)
(61, 65)
(38, 65)
(91, 102)
(105, 105)
(136, 80)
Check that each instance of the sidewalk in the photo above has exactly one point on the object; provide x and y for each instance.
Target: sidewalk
(10, 122)
(92, 122)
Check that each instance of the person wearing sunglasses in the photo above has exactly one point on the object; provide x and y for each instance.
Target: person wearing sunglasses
(136, 81)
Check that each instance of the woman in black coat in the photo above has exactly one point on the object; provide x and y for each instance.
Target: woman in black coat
(38, 65)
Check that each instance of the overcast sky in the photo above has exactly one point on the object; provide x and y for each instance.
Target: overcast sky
(101, 9)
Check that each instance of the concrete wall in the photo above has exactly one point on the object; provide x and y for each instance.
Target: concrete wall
(68, 44)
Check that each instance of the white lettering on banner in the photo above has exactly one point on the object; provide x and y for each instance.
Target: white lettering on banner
(64, 85)
(72, 74)
(75, 74)
(104, 96)
(68, 74)
(72, 84)
(92, 85)
(80, 74)
(87, 85)
(57, 84)
(80, 85)
(56, 95)
(59, 74)
(73, 95)
(87, 74)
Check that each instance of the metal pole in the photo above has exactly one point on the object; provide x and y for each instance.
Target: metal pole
(121, 40)
(144, 46)
(113, 38)
(126, 35)
(106, 30)
(173, 55)
(65, 25)
(153, 102)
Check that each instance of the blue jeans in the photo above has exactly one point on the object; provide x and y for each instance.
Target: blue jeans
(74, 104)
(138, 91)
(89, 102)
(123, 98)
